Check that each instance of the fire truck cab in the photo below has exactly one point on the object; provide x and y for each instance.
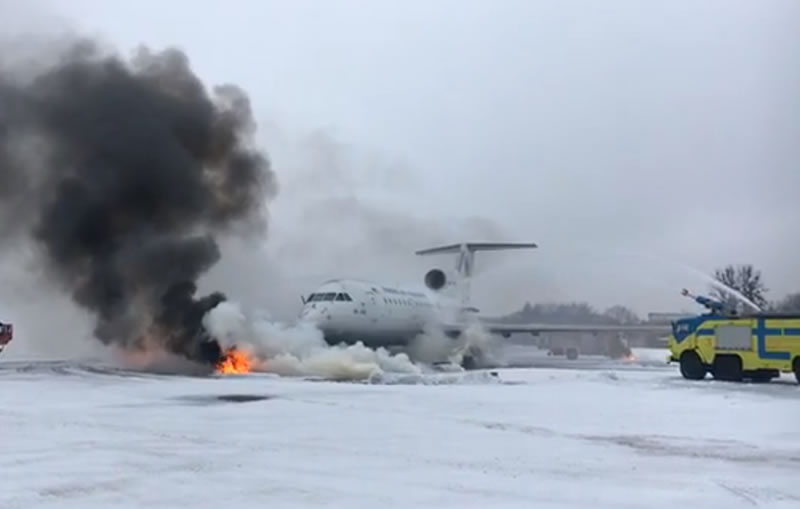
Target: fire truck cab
(6, 334)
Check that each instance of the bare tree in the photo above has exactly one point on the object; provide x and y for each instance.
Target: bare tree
(746, 280)
(789, 304)
(622, 315)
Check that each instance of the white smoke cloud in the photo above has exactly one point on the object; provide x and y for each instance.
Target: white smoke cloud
(434, 346)
(300, 349)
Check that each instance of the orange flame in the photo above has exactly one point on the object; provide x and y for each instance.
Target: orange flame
(631, 357)
(235, 362)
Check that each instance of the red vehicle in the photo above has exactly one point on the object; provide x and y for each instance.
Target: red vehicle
(6, 334)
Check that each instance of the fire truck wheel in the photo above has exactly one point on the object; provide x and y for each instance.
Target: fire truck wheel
(797, 369)
(691, 366)
(727, 368)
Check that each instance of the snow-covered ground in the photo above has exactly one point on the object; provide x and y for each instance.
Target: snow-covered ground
(593, 435)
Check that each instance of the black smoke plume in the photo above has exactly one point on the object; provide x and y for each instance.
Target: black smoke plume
(123, 172)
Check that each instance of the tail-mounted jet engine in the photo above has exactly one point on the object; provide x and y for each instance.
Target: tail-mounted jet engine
(435, 279)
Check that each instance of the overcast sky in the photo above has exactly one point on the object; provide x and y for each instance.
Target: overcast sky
(625, 137)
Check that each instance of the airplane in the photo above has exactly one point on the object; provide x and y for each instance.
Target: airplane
(390, 316)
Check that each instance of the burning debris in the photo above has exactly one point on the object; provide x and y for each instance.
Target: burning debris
(124, 173)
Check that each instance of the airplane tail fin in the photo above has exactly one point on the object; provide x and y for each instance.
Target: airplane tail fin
(466, 258)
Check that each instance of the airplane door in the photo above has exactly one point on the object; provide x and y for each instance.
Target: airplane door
(368, 308)
(373, 315)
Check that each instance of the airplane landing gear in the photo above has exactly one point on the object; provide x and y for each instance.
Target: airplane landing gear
(468, 362)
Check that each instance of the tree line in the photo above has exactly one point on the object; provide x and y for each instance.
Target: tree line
(572, 313)
(745, 279)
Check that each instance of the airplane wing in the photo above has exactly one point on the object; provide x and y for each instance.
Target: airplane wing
(531, 328)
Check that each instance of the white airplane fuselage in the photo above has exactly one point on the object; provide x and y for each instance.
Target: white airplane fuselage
(349, 311)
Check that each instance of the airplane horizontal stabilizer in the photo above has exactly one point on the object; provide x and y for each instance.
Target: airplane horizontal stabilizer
(476, 246)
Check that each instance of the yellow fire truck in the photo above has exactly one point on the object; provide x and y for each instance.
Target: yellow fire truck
(735, 347)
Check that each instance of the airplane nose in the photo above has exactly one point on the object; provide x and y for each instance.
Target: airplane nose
(314, 315)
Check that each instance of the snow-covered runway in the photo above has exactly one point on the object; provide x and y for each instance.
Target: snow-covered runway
(616, 438)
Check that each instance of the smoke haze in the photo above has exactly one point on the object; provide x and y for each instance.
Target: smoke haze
(606, 134)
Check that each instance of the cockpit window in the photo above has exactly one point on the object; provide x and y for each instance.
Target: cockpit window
(318, 297)
(325, 297)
